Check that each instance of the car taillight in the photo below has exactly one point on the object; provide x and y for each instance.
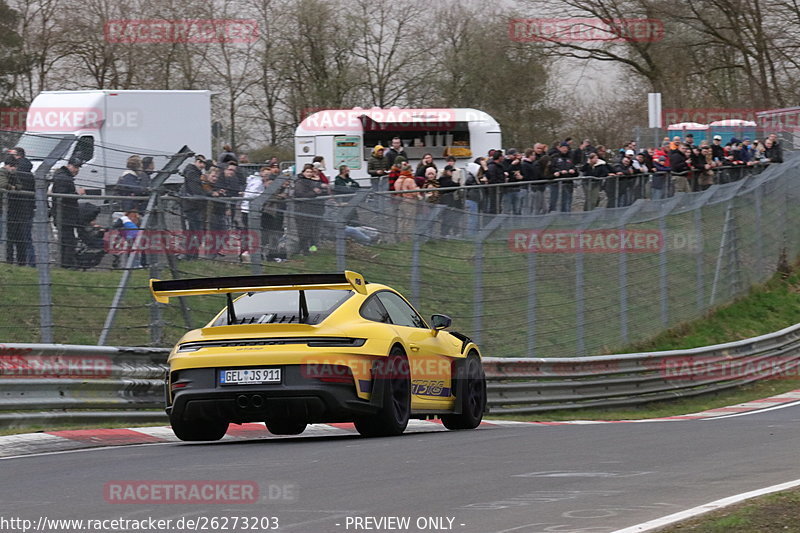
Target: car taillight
(182, 384)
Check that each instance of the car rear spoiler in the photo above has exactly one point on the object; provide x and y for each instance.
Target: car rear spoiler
(166, 289)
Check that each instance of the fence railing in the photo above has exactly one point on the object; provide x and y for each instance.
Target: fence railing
(49, 384)
(709, 246)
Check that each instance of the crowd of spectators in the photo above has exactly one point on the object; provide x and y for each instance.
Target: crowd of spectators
(545, 176)
(540, 179)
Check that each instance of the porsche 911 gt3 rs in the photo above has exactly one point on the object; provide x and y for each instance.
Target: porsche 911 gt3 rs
(293, 350)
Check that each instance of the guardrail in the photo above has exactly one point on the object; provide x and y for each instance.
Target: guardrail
(80, 384)
(522, 386)
(97, 384)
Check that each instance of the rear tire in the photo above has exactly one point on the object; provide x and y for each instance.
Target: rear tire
(198, 430)
(284, 426)
(392, 418)
(473, 399)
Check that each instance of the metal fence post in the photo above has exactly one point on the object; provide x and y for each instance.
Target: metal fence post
(41, 238)
(156, 325)
(161, 176)
(41, 246)
(4, 244)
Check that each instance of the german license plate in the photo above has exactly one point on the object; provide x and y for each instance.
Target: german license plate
(249, 376)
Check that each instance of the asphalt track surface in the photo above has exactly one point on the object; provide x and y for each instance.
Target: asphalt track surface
(525, 479)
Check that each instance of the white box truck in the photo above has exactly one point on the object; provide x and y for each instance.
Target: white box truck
(108, 126)
(347, 136)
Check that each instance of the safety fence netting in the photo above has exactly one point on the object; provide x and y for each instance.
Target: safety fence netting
(522, 285)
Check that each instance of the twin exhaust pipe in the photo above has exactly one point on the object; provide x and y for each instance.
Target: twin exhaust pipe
(246, 401)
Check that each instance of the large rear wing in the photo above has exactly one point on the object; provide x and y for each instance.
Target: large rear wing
(166, 289)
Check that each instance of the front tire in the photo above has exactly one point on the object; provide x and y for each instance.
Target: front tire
(283, 426)
(473, 397)
(392, 418)
(198, 430)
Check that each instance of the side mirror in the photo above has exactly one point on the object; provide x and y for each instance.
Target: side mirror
(441, 321)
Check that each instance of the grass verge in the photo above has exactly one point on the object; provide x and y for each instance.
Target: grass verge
(772, 513)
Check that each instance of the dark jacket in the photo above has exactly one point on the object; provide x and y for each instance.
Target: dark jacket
(375, 164)
(133, 183)
(448, 198)
(678, 163)
(24, 165)
(563, 164)
(473, 195)
(193, 186)
(345, 185)
(599, 170)
(65, 209)
(304, 187)
(717, 151)
(511, 170)
(21, 206)
(774, 154)
(495, 173)
(391, 154)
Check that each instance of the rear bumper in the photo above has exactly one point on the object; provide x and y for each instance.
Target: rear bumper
(296, 397)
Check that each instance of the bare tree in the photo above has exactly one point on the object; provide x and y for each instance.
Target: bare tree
(393, 41)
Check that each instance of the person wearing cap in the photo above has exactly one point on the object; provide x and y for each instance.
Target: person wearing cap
(65, 210)
(562, 167)
(680, 166)
(449, 199)
(20, 211)
(658, 184)
(494, 175)
(688, 140)
(717, 150)
(597, 168)
(377, 166)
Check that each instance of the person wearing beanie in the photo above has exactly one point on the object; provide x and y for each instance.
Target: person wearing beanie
(377, 166)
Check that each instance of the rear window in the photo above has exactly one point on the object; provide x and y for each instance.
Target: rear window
(276, 307)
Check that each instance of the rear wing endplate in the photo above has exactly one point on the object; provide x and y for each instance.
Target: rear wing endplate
(163, 290)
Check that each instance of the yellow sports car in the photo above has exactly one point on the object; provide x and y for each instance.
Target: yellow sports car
(293, 350)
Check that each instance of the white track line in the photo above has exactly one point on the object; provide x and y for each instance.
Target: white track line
(708, 507)
(781, 406)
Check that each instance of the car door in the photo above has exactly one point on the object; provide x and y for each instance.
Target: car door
(427, 357)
